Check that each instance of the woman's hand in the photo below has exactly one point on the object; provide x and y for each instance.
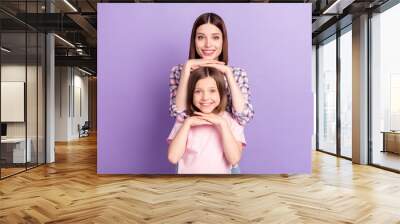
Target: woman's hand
(193, 64)
(226, 70)
(213, 119)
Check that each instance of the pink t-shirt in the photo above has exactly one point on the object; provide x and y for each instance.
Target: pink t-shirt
(204, 153)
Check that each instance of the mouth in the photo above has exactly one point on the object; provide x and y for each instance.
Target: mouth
(206, 104)
(208, 52)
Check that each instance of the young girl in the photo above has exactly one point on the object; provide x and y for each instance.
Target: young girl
(209, 141)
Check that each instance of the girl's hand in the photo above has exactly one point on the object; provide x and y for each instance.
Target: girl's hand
(196, 63)
(196, 121)
(213, 119)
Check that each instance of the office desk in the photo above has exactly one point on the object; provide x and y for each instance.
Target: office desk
(13, 150)
(391, 141)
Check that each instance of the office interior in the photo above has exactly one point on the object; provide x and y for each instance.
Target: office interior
(49, 80)
(48, 76)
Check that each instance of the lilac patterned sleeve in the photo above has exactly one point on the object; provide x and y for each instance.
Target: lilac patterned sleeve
(174, 78)
(243, 82)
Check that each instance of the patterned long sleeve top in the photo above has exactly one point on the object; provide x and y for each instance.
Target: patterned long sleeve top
(243, 82)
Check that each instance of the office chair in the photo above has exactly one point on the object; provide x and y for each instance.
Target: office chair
(84, 130)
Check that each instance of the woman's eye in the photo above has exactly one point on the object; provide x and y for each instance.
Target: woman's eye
(197, 91)
(213, 90)
(216, 38)
(200, 37)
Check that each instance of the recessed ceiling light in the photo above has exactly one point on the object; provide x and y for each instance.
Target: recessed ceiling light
(64, 40)
(5, 50)
(70, 5)
(84, 71)
(337, 7)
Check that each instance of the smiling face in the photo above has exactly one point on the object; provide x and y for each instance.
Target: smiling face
(206, 96)
(208, 41)
(206, 91)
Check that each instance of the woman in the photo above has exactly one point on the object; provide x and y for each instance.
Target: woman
(209, 47)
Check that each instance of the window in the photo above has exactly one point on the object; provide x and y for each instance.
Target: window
(327, 95)
(346, 93)
(385, 88)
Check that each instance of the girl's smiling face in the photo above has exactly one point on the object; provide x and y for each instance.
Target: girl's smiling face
(206, 96)
(208, 41)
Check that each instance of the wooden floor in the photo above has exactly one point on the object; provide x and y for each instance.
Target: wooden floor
(70, 191)
(5, 172)
(387, 159)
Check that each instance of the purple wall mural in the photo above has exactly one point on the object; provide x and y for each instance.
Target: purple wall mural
(138, 44)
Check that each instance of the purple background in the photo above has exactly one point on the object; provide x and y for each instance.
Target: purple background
(138, 44)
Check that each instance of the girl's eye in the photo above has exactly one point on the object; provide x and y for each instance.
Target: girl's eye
(216, 37)
(197, 91)
(200, 37)
(213, 90)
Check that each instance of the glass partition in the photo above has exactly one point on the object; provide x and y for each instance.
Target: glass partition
(22, 77)
(327, 95)
(32, 95)
(13, 109)
(41, 107)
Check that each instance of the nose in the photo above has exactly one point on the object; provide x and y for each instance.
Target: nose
(204, 96)
(208, 42)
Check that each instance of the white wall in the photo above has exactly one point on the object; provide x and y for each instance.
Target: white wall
(17, 73)
(71, 93)
(62, 81)
(12, 101)
(33, 126)
(14, 73)
(80, 110)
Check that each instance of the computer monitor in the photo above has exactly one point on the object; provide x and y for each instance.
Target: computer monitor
(3, 129)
